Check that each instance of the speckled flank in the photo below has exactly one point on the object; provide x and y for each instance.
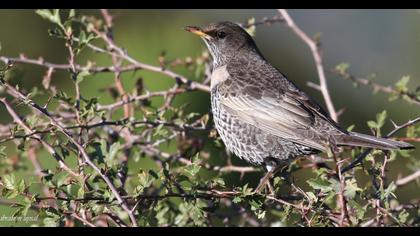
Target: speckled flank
(249, 142)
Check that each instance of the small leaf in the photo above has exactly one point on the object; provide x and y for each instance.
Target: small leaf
(380, 118)
(351, 189)
(251, 29)
(9, 181)
(237, 199)
(401, 85)
(194, 167)
(72, 13)
(2, 152)
(403, 216)
(113, 150)
(21, 186)
(81, 192)
(312, 196)
(350, 128)
(53, 16)
(372, 124)
(320, 184)
(342, 67)
(46, 14)
(81, 76)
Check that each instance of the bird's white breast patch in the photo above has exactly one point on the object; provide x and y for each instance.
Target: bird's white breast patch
(219, 75)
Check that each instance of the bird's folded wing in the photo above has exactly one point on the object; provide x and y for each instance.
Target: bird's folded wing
(286, 117)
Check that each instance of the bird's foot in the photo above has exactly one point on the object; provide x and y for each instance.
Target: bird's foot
(265, 182)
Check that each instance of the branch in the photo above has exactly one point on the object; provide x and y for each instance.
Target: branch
(408, 179)
(362, 156)
(410, 97)
(47, 146)
(139, 98)
(79, 147)
(119, 52)
(318, 61)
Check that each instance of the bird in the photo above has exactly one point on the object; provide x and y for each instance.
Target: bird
(261, 115)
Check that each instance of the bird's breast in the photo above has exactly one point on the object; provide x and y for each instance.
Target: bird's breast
(219, 75)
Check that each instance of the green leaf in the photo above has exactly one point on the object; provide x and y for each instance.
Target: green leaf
(312, 196)
(53, 16)
(84, 40)
(145, 181)
(360, 211)
(61, 179)
(81, 76)
(389, 191)
(350, 128)
(52, 217)
(246, 191)
(372, 124)
(237, 199)
(21, 186)
(160, 131)
(380, 118)
(320, 184)
(351, 189)
(2, 152)
(72, 13)
(401, 85)
(402, 217)
(194, 167)
(46, 14)
(342, 67)
(9, 181)
(113, 150)
(379, 123)
(252, 29)
(81, 192)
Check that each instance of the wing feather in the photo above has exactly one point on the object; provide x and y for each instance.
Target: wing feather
(285, 118)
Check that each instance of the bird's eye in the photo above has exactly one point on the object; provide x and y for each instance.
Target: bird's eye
(220, 34)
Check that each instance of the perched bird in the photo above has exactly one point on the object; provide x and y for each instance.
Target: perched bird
(261, 116)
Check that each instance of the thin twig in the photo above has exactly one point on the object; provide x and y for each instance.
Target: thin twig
(410, 97)
(47, 146)
(408, 179)
(361, 157)
(318, 61)
(79, 147)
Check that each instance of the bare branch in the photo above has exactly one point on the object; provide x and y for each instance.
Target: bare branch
(410, 97)
(318, 61)
(408, 179)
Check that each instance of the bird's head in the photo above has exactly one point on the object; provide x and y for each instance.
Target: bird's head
(224, 40)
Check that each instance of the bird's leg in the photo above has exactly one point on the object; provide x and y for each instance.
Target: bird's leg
(270, 188)
(265, 181)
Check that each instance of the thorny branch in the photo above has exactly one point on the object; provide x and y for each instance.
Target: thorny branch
(361, 157)
(411, 97)
(80, 148)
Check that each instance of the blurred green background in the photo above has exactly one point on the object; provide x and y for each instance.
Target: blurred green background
(384, 42)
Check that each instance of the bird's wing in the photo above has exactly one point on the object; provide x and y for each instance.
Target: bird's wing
(287, 118)
(280, 109)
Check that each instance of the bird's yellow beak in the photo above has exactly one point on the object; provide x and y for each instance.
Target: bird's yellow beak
(197, 31)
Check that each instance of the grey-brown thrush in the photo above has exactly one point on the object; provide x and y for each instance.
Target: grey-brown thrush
(262, 116)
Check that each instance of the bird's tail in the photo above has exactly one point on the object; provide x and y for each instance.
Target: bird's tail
(363, 140)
